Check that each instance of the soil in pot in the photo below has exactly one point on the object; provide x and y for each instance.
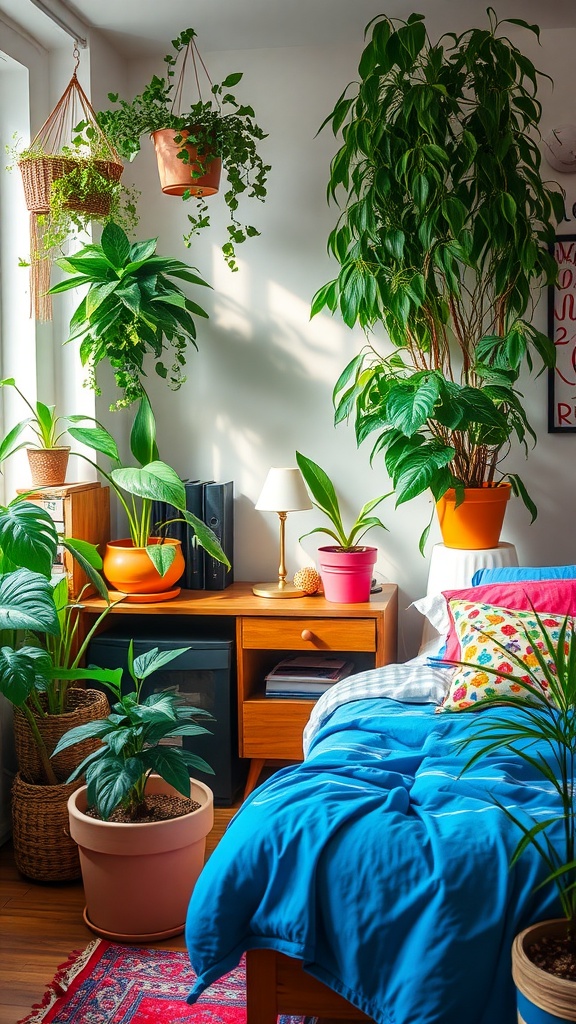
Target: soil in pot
(156, 807)
(555, 954)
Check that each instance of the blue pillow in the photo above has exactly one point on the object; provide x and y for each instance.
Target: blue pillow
(514, 573)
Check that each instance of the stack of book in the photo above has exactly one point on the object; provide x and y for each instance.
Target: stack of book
(307, 675)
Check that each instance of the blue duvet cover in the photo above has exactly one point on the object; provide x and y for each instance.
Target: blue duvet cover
(383, 868)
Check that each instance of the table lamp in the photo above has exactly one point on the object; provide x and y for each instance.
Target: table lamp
(284, 491)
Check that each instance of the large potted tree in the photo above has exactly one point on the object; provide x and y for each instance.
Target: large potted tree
(443, 242)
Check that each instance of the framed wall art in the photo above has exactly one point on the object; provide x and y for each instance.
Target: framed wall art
(562, 331)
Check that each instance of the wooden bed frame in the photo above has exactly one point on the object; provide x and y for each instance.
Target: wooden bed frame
(278, 984)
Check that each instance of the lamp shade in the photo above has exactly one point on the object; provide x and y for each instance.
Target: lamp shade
(284, 490)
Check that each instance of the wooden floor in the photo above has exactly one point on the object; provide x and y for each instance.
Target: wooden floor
(40, 924)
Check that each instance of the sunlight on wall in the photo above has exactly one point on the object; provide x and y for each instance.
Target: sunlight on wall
(234, 290)
(314, 343)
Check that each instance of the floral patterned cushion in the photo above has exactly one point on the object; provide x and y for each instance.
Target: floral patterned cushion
(478, 626)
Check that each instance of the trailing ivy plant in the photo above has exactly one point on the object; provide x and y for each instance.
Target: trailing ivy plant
(219, 126)
(442, 241)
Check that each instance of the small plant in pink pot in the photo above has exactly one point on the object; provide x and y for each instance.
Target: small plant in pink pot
(346, 566)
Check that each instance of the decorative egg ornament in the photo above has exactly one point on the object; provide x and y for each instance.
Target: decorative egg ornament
(307, 580)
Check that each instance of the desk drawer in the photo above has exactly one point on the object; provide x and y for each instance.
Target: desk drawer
(301, 634)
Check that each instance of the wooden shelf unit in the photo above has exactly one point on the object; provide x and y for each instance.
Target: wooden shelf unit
(267, 629)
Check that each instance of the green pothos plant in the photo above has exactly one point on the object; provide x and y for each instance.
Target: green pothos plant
(217, 125)
(443, 241)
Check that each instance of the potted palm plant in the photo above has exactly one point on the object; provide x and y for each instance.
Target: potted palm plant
(148, 564)
(140, 821)
(346, 566)
(544, 735)
(193, 143)
(132, 309)
(443, 242)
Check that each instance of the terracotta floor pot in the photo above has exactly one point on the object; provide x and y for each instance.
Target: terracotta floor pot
(138, 878)
(82, 706)
(175, 175)
(346, 575)
(477, 522)
(131, 571)
(48, 465)
(538, 992)
(43, 847)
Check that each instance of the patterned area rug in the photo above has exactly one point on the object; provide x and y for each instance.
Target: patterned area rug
(111, 984)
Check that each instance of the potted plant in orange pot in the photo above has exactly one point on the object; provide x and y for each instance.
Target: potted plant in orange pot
(146, 565)
(140, 821)
(346, 566)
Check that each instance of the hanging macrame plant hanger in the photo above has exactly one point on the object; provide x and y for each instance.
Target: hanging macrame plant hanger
(69, 138)
(183, 169)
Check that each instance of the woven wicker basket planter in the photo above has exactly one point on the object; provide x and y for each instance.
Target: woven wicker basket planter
(43, 847)
(48, 465)
(38, 175)
(83, 706)
(541, 995)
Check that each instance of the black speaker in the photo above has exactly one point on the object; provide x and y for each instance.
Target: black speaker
(204, 676)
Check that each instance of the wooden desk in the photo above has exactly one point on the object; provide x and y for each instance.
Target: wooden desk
(266, 630)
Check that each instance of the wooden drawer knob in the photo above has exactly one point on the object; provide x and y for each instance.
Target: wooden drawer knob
(307, 634)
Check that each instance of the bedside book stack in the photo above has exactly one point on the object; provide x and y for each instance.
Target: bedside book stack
(306, 676)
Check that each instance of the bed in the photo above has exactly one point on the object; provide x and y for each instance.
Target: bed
(372, 880)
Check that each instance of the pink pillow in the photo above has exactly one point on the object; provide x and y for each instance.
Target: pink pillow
(554, 596)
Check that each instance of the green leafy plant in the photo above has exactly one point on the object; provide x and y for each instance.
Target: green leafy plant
(548, 718)
(83, 188)
(132, 747)
(43, 424)
(325, 499)
(232, 136)
(443, 241)
(131, 309)
(38, 627)
(151, 480)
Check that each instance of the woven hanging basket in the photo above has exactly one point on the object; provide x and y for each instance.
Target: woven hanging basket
(82, 706)
(43, 847)
(51, 163)
(39, 174)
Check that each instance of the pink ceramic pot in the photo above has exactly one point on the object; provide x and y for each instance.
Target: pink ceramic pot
(346, 575)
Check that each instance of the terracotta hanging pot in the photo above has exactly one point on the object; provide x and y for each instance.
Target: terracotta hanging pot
(346, 575)
(131, 571)
(477, 522)
(178, 177)
(138, 876)
(48, 466)
(541, 996)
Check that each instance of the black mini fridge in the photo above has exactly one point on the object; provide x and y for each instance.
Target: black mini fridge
(204, 677)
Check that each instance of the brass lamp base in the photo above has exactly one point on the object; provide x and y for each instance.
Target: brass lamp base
(279, 589)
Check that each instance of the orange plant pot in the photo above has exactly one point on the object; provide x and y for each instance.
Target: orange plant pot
(176, 177)
(477, 522)
(130, 570)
